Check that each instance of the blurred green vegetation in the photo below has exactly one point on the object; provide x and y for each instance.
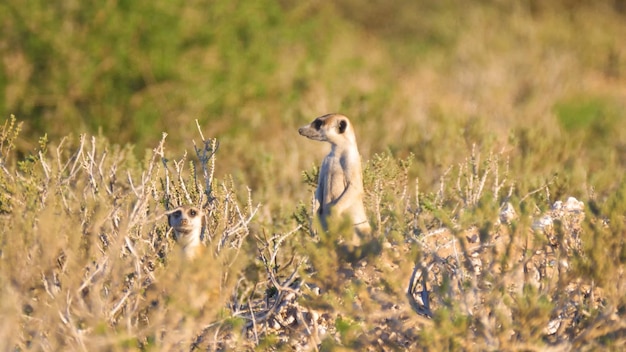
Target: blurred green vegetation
(416, 76)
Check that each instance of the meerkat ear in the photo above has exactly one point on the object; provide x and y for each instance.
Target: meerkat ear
(343, 124)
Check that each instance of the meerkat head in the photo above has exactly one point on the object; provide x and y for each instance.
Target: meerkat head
(188, 224)
(333, 128)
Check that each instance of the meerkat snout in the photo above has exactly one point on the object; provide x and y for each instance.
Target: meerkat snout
(340, 180)
(188, 223)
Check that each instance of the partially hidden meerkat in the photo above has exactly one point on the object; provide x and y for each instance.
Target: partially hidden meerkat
(188, 223)
(340, 183)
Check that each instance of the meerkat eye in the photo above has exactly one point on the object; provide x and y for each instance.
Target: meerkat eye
(317, 124)
(193, 212)
(177, 214)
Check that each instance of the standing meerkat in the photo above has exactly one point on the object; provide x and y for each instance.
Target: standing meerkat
(188, 224)
(340, 181)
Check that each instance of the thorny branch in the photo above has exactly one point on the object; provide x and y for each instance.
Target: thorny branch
(419, 300)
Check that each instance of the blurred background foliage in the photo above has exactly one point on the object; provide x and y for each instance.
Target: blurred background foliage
(542, 81)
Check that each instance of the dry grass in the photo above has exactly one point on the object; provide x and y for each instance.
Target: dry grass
(93, 266)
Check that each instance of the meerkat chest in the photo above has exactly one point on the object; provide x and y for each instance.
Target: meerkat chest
(334, 165)
(335, 173)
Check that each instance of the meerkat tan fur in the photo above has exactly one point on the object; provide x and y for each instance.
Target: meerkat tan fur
(188, 224)
(340, 184)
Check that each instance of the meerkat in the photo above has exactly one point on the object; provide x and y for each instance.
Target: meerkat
(188, 223)
(340, 181)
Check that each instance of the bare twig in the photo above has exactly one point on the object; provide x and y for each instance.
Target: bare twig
(419, 300)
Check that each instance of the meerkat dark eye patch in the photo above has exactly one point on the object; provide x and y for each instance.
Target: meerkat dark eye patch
(173, 216)
(343, 124)
(317, 124)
